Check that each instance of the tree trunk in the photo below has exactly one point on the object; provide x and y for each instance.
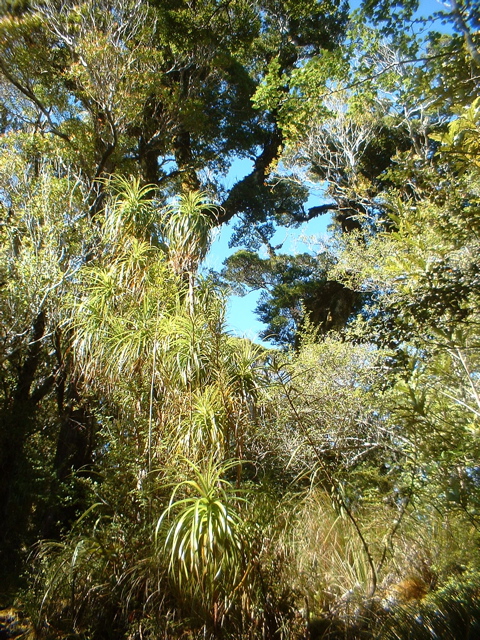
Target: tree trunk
(15, 426)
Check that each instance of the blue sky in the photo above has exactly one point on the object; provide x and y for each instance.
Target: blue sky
(240, 313)
(241, 318)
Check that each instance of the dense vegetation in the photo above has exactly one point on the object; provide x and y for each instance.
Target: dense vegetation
(160, 478)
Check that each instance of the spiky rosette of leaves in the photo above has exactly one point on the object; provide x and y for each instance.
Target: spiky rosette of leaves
(202, 532)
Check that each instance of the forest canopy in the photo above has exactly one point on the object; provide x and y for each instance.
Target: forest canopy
(160, 477)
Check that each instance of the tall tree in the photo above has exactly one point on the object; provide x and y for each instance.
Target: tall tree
(162, 91)
(159, 91)
(44, 236)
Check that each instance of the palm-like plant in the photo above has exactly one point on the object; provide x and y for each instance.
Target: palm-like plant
(118, 320)
(131, 211)
(204, 539)
(172, 384)
(187, 227)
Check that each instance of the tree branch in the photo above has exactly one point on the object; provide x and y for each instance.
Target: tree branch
(386, 69)
(313, 212)
(28, 93)
(31, 362)
(465, 31)
(241, 192)
(42, 390)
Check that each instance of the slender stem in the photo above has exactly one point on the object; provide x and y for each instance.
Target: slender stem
(150, 410)
(152, 388)
(469, 376)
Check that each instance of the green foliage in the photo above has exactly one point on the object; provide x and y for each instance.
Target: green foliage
(193, 484)
(204, 541)
(295, 290)
(186, 228)
(450, 612)
(40, 213)
(131, 212)
(460, 142)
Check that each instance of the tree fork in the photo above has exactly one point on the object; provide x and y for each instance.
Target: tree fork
(239, 193)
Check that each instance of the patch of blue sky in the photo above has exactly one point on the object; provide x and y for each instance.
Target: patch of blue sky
(241, 318)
